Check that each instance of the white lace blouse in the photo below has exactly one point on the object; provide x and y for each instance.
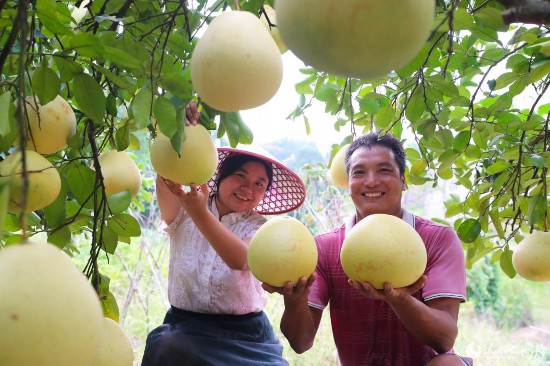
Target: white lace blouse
(199, 280)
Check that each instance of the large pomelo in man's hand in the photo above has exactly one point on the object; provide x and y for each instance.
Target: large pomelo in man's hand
(355, 38)
(120, 172)
(531, 259)
(50, 125)
(196, 164)
(44, 180)
(236, 64)
(383, 248)
(115, 348)
(282, 250)
(50, 315)
(337, 170)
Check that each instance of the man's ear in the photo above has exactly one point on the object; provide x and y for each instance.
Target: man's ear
(404, 182)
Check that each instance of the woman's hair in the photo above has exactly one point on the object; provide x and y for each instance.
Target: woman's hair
(234, 162)
(376, 138)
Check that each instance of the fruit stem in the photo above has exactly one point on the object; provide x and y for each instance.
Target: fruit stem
(237, 6)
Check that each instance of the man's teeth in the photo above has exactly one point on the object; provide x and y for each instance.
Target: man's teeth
(372, 195)
(242, 197)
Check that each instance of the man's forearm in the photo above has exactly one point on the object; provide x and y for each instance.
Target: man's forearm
(298, 326)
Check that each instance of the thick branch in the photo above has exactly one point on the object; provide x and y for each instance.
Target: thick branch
(526, 11)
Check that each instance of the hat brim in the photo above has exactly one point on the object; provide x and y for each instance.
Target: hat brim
(286, 193)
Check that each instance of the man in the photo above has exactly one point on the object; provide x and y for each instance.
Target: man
(410, 326)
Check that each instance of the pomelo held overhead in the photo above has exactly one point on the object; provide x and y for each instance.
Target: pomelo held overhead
(236, 64)
(355, 38)
(44, 180)
(50, 125)
(282, 250)
(383, 248)
(198, 160)
(50, 315)
(531, 259)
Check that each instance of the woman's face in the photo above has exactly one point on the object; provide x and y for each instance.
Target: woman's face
(243, 189)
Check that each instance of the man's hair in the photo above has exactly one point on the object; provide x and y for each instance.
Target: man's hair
(234, 162)
(376, 138)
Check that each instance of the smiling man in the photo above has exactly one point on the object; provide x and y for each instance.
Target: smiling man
(410, 326)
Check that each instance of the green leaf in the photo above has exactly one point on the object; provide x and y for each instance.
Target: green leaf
(497, 167)
(506, 262)
(67, 68)
(230, 121)
(141, 108)
(121, 58)
(469, 230)
(110, 240)
(122, 137)
(416, 107)
(50, 17)
(461, 141)
(110, 307)
(45, 84)
(81, 182)
(165, 113)
(5, 101)
(90, 97)
(60, 237)
(124, 225)
(119, 202)
(87, 45)
(385, 117)
(537, 209)
(56, 211)
(537, 161)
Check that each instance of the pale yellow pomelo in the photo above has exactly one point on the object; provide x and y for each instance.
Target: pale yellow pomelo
(355, 38)
(273, 30)
(198, 160)
(531, 259)
(236, 64)
(337, 170)
(282, 250)
(50, 125)
(120, 172)
(115, 348)
(44, 180)
(383, 248)
(50, 314)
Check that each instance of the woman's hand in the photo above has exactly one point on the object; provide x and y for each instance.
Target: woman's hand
(191, 113)
(194, 200)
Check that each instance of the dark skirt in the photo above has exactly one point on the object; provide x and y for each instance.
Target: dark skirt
(188, 338)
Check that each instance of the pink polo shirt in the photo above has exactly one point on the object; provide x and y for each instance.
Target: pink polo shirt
(366, 331)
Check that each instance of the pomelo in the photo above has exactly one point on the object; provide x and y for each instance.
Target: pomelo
(383, 248)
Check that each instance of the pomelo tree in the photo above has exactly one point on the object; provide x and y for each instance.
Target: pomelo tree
(471, 106)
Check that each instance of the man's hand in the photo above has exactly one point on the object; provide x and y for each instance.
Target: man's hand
(388, 293)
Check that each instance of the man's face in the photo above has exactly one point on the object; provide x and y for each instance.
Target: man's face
(375, 183)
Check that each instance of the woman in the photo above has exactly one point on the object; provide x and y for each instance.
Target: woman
(216, 315)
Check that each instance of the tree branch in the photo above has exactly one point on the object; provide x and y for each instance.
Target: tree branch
(526, 11)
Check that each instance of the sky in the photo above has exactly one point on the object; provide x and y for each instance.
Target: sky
(268, 122)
